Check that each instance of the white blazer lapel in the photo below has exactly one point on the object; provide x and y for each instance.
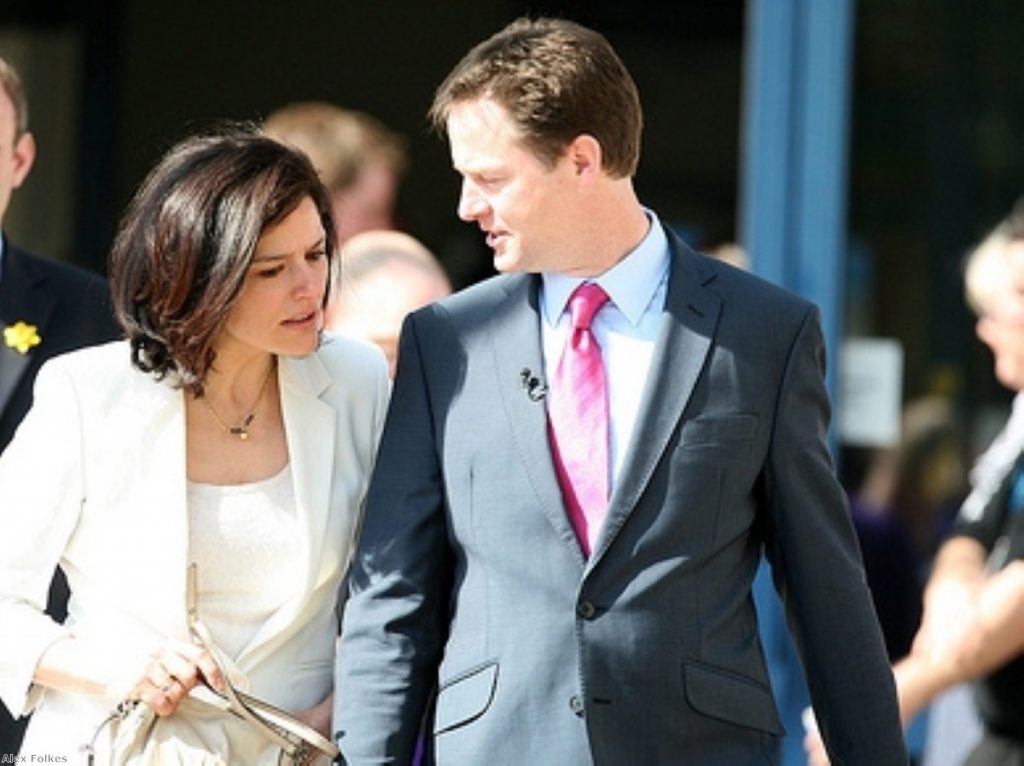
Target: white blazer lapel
(310, 432)
(169, 483)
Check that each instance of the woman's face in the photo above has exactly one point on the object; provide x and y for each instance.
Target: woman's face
(280, 308)
(1004, 335)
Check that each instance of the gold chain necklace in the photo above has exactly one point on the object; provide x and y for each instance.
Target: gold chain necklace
(242, 429)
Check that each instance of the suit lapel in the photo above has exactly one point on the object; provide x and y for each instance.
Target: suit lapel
(21, 299)
(516, 345)
(311, 451)
(687, 327)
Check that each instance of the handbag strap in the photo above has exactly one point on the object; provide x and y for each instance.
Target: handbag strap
(237, 706)
(119, 713)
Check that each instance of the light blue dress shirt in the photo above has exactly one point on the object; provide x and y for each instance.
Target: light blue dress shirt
(626, 328)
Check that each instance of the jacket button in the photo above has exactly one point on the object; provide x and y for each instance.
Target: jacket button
(586, 610)
(576, 705)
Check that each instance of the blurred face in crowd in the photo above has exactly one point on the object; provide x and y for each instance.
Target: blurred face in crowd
(368, 204)
(16, 152)
(375, 309)
(1001, 327)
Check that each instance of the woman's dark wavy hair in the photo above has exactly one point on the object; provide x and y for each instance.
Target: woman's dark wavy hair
(185, 243)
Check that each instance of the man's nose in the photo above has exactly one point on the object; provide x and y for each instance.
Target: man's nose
(471, 204)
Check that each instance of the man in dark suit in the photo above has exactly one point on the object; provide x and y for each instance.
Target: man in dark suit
(583, 461)
(46, 308)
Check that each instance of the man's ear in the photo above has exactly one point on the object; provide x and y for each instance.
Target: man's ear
(24, 156)
(584, 152)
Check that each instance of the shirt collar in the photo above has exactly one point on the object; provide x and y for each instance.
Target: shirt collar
(630, 283)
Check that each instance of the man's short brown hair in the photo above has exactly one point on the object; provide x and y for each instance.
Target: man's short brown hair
(557, 80)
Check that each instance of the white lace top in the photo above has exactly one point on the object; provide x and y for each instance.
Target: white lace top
(244, 538)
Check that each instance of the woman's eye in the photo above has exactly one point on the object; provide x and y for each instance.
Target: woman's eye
(316, 255)
(271, 272)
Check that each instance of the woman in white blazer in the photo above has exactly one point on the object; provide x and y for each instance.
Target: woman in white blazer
(226, 431)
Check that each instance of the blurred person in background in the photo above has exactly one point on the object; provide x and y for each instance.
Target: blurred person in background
(359, 160)
(904, 509)
(382, 276)
(972, 626)
(46, 308)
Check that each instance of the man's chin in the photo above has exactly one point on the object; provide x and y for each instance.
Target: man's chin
(505, 263)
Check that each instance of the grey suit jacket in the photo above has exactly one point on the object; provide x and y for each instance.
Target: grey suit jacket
(468, 579)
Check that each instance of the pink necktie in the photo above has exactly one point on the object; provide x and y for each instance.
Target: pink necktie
(578, 420)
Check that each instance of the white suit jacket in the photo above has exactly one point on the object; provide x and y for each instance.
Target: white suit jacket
(95, 480)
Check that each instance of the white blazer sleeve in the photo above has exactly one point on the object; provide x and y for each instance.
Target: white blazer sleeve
(41, 492)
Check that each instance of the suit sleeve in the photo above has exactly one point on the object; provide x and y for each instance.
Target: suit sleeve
(818, 570)
(41, 491)
(394, 623)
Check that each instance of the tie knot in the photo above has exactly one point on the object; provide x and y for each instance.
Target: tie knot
(585, 301)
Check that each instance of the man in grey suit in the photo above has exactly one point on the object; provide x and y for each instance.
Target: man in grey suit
(493, 601)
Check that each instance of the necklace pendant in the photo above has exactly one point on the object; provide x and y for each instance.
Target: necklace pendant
(242, 429)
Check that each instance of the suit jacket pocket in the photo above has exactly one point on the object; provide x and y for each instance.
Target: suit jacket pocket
(706, 430)
(465, 697)
(731, 697)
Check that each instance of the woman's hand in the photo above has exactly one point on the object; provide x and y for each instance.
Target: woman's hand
(171, 673)
(161, 680)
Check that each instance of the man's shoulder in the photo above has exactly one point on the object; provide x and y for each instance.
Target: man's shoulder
(735, 285)
(39, 267)
(486, 294)
(474, 307)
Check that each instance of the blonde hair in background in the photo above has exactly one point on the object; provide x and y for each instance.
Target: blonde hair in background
(994, 269)
(339, 142)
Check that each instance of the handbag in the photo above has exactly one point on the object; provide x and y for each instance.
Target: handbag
(138, 736)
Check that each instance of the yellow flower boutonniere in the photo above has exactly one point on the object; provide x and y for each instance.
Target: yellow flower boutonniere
(21, 337)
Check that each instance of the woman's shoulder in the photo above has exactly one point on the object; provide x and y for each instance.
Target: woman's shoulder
(97, 360)
(101, 377)
(340, 353)
(339, 358)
